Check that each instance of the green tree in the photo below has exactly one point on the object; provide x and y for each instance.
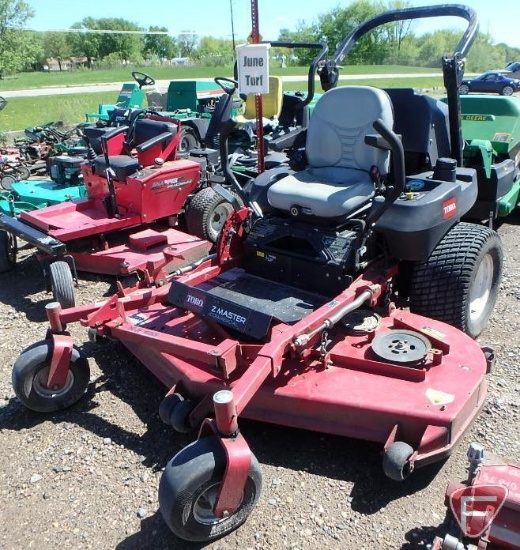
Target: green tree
(483, 56)
(335, 25)
(125, 44)
(162, 46)
(214, 52)
(55, 45)
(303, 33)
(186, 44)
(15, 44)
(85, 43)
(398, 32)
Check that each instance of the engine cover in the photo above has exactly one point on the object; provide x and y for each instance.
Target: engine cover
(65, 170)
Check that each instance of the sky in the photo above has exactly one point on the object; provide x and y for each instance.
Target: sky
(213, 17)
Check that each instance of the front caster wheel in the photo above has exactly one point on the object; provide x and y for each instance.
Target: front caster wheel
(189, 489)
(30, 373)
(8, 251)
(62, 284)
(396, 461)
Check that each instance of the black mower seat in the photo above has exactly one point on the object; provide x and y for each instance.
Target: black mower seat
(338, 179)
(145, 131)
(122, 165)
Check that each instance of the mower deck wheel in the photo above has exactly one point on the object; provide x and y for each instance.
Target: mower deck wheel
(206, 214)
(23, 173)
(168, 405)
(179, 416)
(62, 284)
(396, 461)
(6, 182)
(30, 373)
(459, 282)
(189, 489)
(7, 251)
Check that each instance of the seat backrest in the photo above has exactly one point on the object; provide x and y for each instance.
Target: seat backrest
(146, 129)
(423, 124)
(338, 126)
(221, 113)
(271, 102)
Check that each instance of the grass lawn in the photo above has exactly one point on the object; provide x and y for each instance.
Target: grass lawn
(24, 112)
(74, 78)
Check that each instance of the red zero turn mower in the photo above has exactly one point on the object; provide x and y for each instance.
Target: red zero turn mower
(136, 188)
(486, 507)
(298, 319)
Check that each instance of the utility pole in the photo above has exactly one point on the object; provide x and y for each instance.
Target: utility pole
(232, 28)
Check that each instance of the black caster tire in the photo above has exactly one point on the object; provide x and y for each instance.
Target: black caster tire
(22, 173)
(189, 488)
(396, 461)
(167, 406)
(62, 284)
(8, 251)
(179, 416)
(30, 374)
(7, 182)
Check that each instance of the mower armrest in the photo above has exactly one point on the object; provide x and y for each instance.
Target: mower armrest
(154, 141)
(379, 142)
(112, 133)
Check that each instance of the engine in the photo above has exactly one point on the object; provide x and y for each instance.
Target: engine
(317, 259)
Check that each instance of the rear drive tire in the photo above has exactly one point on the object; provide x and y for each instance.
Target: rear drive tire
(459, 282)
(7, 251)
(206, 214)
(62, 284)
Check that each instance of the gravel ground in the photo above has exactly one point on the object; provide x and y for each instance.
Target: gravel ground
(88, 477)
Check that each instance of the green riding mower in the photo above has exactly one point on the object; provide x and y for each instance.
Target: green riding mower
(131, 96)
(491, 132)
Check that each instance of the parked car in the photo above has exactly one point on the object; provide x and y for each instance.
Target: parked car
(490, 82)
(512, 70)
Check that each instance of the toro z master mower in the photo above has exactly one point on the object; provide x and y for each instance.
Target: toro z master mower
(125, 225)
(296, 321)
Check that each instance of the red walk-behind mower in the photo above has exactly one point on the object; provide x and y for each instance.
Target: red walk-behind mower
(298, 319)
(136, 188)
(486, 507)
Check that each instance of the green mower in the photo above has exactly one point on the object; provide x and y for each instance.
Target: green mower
(491, 133)
(131, 96)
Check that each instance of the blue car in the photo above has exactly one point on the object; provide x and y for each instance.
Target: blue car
(493, 82)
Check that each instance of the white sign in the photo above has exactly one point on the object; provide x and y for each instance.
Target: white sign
(253, 68)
